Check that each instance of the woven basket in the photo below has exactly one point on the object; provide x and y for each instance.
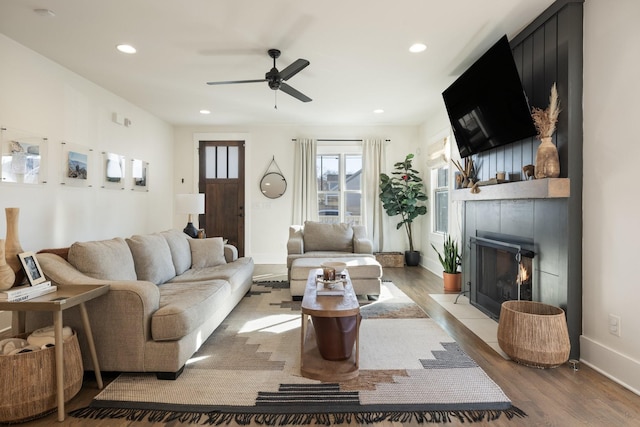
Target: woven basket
(533, 333)
(28, 386)
(390, 259)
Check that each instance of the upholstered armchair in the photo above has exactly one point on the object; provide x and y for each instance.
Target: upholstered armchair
(320, 240)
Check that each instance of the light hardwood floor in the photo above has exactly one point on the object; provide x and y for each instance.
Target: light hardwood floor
(552, 397)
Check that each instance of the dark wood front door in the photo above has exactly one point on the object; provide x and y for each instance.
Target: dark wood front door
(222, 182)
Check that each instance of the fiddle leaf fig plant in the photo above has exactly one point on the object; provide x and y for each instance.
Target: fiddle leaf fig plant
(450, 257)
(401, 194)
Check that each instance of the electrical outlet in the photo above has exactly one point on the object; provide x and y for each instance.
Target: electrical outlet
(614, 325)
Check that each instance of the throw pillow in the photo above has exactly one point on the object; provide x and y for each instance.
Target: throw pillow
(207, 252)
(319, 236)
(152, 258)
(180, 249)
(103, 259)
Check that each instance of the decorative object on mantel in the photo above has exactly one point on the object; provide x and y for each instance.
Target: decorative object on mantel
(529, 171)
(450, 259)
(547, 161)
(12, 245)
(7, 275)
(468, 172)
(401, 194)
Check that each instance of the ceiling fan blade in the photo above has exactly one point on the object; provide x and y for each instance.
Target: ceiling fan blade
(294, 69)
(231, 82)
(296, 94)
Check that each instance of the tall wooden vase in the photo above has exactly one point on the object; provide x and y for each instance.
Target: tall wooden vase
(547, 161)
(12, 244)
(7, 275)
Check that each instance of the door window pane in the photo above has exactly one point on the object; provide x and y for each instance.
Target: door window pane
(233, 162)
(221, 162)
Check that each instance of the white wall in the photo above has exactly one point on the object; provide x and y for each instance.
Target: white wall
(433, 131)
(611, 152)
(268, 220)
(42, 98)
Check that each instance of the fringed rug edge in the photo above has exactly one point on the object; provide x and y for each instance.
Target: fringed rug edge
(218, 417)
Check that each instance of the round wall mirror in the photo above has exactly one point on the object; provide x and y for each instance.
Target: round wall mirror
(273, 185)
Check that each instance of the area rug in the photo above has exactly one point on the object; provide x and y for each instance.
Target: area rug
(248, 371)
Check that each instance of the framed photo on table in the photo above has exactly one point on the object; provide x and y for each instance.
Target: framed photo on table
(31, 268)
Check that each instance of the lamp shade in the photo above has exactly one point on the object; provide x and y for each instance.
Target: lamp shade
(190, 203)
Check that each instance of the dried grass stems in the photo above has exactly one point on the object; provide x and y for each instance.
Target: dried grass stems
(545, 120)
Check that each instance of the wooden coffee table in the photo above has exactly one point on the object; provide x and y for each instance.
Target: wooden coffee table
(312, 365)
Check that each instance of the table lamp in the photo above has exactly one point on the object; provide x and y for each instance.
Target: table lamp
(191, 204)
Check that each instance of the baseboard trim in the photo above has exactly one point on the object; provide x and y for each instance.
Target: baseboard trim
(610, 363)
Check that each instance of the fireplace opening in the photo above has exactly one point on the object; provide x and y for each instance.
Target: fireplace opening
(503, 271)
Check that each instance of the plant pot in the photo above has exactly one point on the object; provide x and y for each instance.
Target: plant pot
(412, 258)
(452, 281)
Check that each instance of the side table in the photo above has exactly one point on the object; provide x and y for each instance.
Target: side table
(65, 297)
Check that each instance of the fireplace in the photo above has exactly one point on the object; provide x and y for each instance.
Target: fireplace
(501, 270)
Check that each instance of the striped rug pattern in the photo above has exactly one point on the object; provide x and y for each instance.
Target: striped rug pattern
(248, 371)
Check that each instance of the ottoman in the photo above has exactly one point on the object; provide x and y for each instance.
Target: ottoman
(365, 273)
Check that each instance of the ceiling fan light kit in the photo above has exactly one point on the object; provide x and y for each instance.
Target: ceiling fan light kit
(275, 78)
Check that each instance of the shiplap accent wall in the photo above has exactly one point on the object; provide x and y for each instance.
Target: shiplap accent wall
(549, 50)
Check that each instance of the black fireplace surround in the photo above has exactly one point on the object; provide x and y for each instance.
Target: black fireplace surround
(501, 269)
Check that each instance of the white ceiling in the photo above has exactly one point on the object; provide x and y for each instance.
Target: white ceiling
(358, 51)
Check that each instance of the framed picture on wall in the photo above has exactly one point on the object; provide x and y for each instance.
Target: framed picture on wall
(139, 175)
(23, 157)
(113, 171)
(76, 165)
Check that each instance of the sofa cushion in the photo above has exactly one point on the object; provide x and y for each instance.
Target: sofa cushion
(184, 307)
(180, 249)
(237, 273)
(103, 259)
(327, 237)
(207, 252)
(152, 258)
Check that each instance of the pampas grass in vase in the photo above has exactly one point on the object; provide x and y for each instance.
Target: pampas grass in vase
(547, 161)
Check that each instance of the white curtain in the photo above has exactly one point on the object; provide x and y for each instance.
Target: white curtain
(305, 185)
(373, 159)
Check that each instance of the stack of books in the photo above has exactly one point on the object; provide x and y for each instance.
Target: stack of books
(331, 288)
(22, 293)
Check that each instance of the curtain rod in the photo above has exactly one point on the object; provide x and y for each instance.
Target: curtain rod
(338, 140)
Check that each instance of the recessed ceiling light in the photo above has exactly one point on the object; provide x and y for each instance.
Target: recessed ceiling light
(378, 111)
(126, 48)
(45, 12)
(205, 112)
(417, 47)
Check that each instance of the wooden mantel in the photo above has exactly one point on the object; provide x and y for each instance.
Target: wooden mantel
(547, 188)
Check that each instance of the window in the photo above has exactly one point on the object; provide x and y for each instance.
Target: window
(440, 185)
(339, 186)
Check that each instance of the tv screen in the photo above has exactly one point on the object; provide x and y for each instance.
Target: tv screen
(486, 105)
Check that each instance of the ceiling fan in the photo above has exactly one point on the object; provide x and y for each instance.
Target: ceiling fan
(276, 78)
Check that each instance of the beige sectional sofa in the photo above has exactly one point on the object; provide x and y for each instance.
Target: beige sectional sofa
(168, 293)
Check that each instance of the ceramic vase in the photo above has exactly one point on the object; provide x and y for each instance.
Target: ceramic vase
(12, 244)
(7, 276)
(547, 161)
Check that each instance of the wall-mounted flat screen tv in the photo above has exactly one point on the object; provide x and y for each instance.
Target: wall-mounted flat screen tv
(487, 105)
